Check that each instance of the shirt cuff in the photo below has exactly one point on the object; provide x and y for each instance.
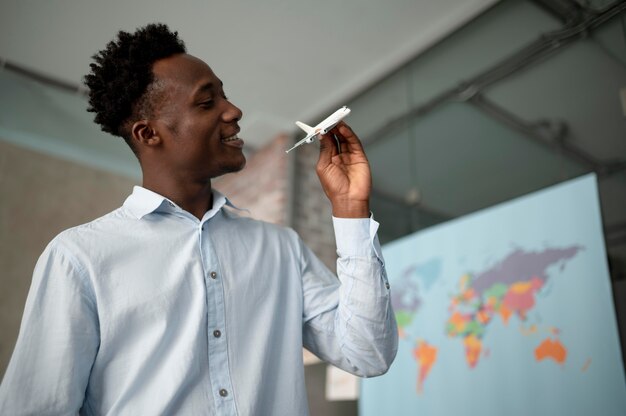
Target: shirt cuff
(357, 237)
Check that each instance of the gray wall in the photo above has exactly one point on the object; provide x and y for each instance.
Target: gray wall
(40, 196)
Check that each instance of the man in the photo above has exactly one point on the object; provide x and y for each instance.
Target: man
(173, 304)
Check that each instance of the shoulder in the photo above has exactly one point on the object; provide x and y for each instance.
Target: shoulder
(101, 224)
(69, 257)
(87, 237)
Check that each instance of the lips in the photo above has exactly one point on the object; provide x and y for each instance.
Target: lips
(233, 140)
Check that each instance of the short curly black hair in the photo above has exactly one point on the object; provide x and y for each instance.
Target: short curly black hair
(122, 74)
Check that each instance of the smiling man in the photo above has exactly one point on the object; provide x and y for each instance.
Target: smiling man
(173, 304)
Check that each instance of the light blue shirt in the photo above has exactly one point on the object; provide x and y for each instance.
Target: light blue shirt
(150, 311)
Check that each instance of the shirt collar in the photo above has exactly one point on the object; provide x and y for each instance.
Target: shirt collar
(144, 201)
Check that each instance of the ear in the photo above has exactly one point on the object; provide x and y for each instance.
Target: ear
(144, 134)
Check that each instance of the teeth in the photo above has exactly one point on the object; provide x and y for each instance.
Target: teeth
(230, 139)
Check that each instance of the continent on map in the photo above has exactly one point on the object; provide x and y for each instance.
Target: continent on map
(552, 349)
(521, 266)
(425, 355)
(406, 298)
(507, 289)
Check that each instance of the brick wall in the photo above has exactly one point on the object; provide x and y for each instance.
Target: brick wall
(312, 215)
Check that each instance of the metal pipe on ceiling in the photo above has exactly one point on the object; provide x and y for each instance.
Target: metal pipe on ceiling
(555, 141)
(567, 11)
(42, 78)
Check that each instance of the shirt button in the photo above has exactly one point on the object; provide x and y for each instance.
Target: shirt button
(223, 392)
(387, 285)
(217, 333)
(213, 275)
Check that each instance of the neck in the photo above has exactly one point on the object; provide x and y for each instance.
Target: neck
(194, 197)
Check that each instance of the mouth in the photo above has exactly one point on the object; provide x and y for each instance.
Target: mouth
(233, 140)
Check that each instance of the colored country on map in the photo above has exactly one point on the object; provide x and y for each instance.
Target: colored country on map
(508, 288)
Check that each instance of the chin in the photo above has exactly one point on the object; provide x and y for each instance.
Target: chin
(242, 164)
(234, 167)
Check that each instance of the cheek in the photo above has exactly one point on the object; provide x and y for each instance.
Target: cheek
(197, 137)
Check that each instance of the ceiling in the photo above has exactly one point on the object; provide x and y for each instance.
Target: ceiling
(280, 60)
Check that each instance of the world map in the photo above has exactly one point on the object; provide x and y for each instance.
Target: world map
(505, 311)
(508, 288)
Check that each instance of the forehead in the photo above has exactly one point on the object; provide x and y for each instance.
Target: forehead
(184, 73)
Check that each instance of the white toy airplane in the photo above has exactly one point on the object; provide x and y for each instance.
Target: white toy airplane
(322, 128)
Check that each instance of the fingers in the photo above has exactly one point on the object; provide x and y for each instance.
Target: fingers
(347, 140)
(328, 149)
(339, 140)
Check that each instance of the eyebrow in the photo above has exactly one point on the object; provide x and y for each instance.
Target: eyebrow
(207, 87)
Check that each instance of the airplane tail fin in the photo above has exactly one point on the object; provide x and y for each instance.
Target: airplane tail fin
(305, 127)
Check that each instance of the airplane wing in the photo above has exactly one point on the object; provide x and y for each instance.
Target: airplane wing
(307, 139)
(308, 129)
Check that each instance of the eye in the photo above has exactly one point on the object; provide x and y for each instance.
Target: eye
(207, 104)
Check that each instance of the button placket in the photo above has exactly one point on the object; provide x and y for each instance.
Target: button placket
(219, 370)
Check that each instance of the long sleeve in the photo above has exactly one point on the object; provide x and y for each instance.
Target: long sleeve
(49, 370)
(350, 322)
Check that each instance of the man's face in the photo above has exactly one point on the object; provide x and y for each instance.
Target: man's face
(197, 123)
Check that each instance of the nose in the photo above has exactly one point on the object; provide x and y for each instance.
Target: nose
(232, 113)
